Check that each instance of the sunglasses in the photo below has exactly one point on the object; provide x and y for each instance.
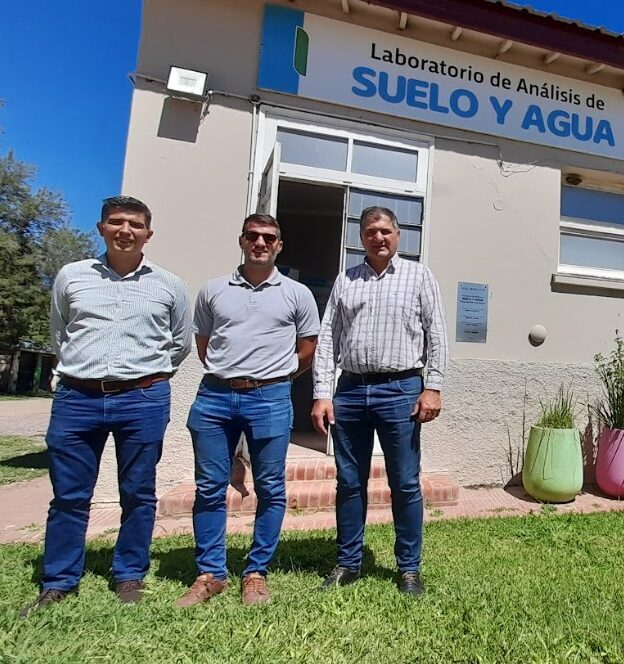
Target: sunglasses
(252, 236)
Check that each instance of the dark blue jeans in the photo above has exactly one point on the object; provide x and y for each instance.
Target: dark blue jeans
(79, 426)
(360, 410)
(216, 420)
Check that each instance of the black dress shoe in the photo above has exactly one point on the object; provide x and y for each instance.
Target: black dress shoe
(130, 592)
(340, 576)
(412, 584)
(47, 597)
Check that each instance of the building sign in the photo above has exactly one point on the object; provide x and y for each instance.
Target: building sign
(472, 312)
(320, 58)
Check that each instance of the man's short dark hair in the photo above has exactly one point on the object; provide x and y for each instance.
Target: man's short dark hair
(375, 212)
(265, 219)
(125, 203)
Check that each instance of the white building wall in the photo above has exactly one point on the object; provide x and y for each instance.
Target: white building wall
(494, 220)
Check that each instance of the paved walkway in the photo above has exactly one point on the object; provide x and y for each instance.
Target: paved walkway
(26, 506)
(23, 507)
(24, 417)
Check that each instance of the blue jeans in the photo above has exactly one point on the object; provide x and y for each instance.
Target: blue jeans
(78, 429)
(216, 420)
(360, 410)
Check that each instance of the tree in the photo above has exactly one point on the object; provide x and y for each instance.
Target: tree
(33, 227)
(63, 245)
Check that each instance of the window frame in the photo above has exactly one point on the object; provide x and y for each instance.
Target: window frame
(579, 227)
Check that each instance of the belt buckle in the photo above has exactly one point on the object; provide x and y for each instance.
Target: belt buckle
(103, 387)
(238, 383)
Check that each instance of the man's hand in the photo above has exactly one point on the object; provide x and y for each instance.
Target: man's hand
(427, 406)
(322, 415)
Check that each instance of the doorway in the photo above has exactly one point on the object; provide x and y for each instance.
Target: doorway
(311, 218)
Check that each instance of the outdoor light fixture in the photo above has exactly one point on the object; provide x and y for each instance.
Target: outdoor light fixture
(187, 83)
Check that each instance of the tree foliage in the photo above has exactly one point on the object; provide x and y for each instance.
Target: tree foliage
(36, 239)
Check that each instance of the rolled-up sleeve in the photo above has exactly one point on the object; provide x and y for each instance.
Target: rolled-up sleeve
(434, 326)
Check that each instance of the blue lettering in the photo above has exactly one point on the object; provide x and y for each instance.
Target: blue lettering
(414, 92)
(560, 128)
(433, 103)
(604, 133)
(501, 110)
(361, 75)
(385, 93)
(533, 118)
(473, 103)
(576, 129)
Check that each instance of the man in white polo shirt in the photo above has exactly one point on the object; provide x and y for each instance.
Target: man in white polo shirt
(255, 330)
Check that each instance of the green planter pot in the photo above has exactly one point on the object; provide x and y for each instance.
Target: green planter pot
(553, 465)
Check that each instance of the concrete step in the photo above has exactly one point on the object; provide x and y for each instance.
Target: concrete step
(310, 486)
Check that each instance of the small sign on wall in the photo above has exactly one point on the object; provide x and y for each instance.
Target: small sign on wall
(472, 312)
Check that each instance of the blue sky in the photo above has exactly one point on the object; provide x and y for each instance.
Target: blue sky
(64, 80)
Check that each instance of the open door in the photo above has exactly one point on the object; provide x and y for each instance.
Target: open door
(269, 185)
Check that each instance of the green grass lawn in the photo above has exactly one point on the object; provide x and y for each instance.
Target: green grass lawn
(21, 459)
(543, 588)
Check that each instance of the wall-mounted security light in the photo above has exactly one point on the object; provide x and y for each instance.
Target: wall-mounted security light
(574, 179)
(187, 83)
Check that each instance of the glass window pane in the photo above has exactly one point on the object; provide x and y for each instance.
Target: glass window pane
(409, 240)
(591, 252)
(313, 149)
(600, 207)
(407, 209)
(409, 257)
(353, 258)
(383, 161)
(353, 232)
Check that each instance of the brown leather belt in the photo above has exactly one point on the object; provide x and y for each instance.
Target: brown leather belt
(243, 383)
(110, 386)
(373, 378)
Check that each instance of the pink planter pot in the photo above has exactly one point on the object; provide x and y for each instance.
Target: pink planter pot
(610, 462)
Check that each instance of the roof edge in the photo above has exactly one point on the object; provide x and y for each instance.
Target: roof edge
(519, 24)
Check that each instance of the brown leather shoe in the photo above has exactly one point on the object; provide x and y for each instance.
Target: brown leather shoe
(255, 589)
(204, 587)
(47, 597)
(130, 592)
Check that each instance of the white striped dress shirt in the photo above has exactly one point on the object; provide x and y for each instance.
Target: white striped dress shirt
(382, 323)
(109, 327)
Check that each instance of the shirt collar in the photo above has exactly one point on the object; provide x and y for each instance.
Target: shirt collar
(393, 265)
(237, 278)
(144, 265)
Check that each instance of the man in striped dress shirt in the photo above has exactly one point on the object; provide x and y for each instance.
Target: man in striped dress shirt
(383, 322)
(120, 328)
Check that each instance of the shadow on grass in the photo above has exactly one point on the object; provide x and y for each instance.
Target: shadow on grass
(37, 460)
(303, 554)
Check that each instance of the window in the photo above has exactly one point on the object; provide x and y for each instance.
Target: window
(592, 232)
(409, 212)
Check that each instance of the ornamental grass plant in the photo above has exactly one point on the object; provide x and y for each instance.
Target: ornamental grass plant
(558, 413)
(610, 370)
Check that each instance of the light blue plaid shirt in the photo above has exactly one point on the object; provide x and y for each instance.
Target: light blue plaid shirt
(109, 327)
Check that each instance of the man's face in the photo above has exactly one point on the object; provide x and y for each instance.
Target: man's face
(379, 238)
(125, 232)
(260, 244)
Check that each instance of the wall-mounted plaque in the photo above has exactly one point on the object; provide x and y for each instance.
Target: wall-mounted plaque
(472, 312)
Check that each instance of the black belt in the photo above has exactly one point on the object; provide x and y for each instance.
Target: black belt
(244, 383)
(373, 378)
(110, 386)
